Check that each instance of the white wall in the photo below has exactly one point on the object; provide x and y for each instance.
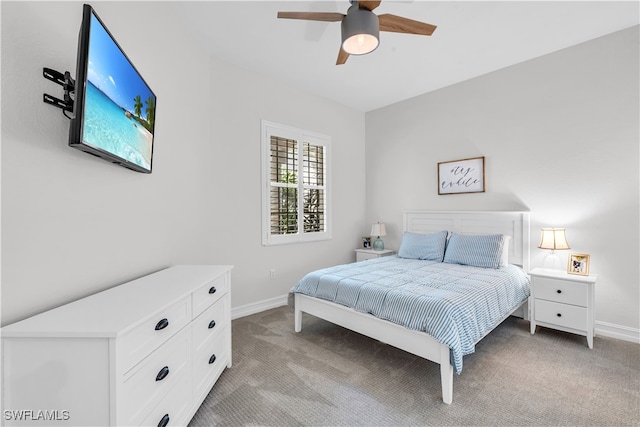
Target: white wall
(241, 99)
(560, 135)
(73, 224)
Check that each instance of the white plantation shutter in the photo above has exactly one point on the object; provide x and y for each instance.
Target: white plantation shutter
(295, 192)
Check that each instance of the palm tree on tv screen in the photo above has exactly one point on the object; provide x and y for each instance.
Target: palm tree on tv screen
(137, 106)
(150, 111)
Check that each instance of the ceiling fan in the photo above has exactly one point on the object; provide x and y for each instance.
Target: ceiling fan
(361, 27)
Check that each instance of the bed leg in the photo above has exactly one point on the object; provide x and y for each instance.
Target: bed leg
(297, 313)
(446, 375)
(298, 321)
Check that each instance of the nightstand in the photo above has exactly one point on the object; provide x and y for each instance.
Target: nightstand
(562, 301)
(363, 254)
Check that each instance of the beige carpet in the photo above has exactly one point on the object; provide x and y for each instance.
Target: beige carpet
(329, 376)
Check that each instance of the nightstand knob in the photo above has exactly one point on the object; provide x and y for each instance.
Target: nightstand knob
(559, 314)
(559, 291)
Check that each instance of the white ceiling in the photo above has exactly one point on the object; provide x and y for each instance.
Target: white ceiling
(472, 38)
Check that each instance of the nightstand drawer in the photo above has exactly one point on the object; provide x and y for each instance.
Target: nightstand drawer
(561, 291)
(569, 316)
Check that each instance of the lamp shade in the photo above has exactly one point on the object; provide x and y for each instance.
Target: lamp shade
(554, 239)
(378, 229)
(360, 31)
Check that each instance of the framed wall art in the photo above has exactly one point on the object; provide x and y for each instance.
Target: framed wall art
(461, 176)
(578, 264)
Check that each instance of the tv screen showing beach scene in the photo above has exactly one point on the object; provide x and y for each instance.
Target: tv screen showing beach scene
(119, 107)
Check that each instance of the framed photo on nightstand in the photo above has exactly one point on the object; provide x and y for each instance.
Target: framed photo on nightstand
(366, 242)
(578, 264)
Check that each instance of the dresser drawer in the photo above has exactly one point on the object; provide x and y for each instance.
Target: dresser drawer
(145, 384)
(150, 334)
(172, 408)
(208, 294)
(206, 368)
(209, 323)
(561, 291)
(566, 315)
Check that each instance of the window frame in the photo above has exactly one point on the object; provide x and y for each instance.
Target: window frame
(301, 136)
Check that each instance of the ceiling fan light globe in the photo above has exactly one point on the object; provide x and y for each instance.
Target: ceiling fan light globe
(360, 32)
(360, 44)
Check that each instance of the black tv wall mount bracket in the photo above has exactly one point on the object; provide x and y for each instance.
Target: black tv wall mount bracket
(67, 83)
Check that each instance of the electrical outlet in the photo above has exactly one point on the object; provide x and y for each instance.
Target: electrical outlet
(272, 273)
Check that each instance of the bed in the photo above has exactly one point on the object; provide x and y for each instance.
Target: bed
(471, 293)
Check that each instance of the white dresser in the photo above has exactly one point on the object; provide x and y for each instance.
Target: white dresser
(143, 353)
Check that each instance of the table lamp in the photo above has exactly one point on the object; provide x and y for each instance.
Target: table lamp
(553, 239)
(378, 229)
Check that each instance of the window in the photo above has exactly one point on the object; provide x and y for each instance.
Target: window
(295, 191)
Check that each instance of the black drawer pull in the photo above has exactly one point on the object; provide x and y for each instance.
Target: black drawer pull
(162, 374)
(212, 324)
(162, 324)
(212, 290)
(212, 359)
(559, 291)
(559, 314)
(164, 421)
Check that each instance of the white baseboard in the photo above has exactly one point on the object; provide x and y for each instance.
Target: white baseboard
(604, 329)
(624, 333)
(257, 307)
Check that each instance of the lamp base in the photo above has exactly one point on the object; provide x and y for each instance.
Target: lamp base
(553, 261)
(378, 244)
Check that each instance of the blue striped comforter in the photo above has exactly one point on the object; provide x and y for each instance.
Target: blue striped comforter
(455, 304)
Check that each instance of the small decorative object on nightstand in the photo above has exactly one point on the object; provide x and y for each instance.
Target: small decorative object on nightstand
(378, 230)
(363, 254)
(562, 301)
(578, 264)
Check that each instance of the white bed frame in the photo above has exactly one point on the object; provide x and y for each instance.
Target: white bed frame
(515, 224)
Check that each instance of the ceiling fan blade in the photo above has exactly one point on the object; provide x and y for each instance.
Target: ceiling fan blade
(398, 24)
(342, 57)
(369, 5)
(313, 16)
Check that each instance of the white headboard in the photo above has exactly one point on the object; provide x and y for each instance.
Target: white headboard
(512, 223)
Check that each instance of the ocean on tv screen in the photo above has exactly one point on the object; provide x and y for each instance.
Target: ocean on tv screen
(113, 129)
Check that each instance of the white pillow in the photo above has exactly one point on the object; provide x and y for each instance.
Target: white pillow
(504, 259)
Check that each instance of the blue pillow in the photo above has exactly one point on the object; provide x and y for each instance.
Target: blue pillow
(481, 250)
(423, 246)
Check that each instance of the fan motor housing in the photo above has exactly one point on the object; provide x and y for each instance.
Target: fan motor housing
(360, 31)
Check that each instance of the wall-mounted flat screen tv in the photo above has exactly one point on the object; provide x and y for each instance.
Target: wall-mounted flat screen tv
(114, 108)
